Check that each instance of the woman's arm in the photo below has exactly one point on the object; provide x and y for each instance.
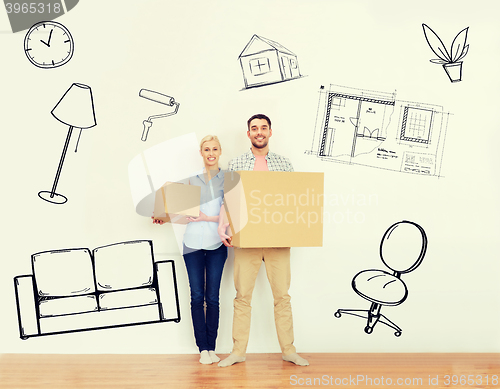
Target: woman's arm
(204, 218)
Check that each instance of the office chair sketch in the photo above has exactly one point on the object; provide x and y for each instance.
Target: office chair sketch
(402, 250)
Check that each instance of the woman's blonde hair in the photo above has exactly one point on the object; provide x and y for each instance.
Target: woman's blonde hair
(209, 138)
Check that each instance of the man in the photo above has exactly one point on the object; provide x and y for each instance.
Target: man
(248, 261)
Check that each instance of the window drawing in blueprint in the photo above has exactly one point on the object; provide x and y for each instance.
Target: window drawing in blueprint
(370, 128)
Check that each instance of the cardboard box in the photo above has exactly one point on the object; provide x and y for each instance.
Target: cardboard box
(275, 209)
(174, 202)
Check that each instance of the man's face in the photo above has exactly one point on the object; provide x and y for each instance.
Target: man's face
(259, 133)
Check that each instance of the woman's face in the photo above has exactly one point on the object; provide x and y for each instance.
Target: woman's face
(210, 151)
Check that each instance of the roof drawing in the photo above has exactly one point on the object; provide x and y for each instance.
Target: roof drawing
(260, 44)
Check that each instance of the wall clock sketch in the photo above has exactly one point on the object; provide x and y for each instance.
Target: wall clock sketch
(48, 45)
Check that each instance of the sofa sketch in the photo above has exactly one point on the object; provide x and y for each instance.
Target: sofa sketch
(111, 286)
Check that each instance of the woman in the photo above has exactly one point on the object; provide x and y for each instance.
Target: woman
(204, 254)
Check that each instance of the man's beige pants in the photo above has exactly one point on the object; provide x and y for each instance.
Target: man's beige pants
(246, 267)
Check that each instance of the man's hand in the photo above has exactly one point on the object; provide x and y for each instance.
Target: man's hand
(226, 239)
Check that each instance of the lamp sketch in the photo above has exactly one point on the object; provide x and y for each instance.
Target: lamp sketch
(159, 98)
(75, 109)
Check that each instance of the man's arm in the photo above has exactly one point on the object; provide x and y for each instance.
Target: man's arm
(285, 164)
(279, 163)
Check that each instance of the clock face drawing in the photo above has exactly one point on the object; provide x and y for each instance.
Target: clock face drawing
(48, 45)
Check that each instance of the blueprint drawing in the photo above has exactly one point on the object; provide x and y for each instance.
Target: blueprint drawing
(370, 128)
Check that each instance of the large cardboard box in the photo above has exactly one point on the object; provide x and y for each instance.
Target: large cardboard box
(175, 202)
(275, 209)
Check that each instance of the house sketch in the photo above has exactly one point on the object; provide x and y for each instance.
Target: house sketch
(370, 128)
(265, 62)
(117, 285)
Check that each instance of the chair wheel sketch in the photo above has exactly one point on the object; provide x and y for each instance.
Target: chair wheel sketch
(402, 250)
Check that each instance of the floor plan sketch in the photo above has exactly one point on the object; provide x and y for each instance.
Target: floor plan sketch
(370, 128)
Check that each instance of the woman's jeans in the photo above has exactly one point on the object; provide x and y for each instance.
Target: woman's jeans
(204, 268)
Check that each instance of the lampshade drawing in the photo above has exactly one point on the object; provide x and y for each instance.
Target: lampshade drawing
(75, 109)
(173, 160)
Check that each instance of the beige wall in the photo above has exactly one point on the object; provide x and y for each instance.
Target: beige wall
(189, 50)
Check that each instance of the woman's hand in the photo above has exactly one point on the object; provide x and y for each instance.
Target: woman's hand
(157, 221)
(201, 218)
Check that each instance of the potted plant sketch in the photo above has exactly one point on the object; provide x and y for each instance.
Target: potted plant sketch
(451, 60)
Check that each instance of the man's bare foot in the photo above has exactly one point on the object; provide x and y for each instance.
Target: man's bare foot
(231, 360)
(296, 358)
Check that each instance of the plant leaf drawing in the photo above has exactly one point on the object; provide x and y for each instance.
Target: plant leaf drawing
(436, 45)
(459, 47)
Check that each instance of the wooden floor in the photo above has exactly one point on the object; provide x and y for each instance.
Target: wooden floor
(20, 371)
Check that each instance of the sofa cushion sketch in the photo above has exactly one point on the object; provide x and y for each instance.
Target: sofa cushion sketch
(111, 286)
(402, 250)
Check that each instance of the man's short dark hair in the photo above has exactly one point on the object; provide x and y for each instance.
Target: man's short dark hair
(259, 116)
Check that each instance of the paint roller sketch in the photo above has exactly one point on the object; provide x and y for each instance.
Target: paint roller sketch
(159, 98)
